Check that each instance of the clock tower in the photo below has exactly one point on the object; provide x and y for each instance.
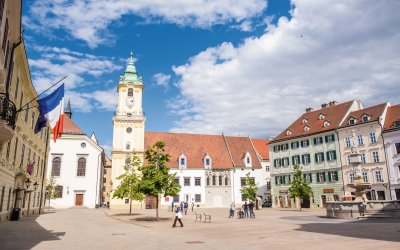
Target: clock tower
(128, 125)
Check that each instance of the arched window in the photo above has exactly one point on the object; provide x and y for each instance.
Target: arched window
(56, 166)
(81, 167)
(128, 161)
(128, 146)
(208, 181)
(226, 181)
(214, 180)
(130, 92)
(220, 180)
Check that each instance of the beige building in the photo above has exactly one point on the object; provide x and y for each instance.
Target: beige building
(366, 125)
(107, 182)
(23, 157)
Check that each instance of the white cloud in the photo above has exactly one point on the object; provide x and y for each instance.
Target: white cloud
(55, 63)
(88, 20)
(328, 50)
(161, 79)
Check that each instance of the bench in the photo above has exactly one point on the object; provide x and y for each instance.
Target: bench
(207, 217)
(198, 216)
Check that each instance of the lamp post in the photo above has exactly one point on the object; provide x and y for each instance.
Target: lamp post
(35, 185)
(27, 183)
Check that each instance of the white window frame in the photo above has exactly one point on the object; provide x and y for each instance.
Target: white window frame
(363, 158)
(247, 160)
(360, 140)
(207, 166)
(352, 176)
(375, 156)
(365, 176)
(378, 176)
(307, 159)
(372, 137)
(347, 142)
(182, 166)
(349, 159)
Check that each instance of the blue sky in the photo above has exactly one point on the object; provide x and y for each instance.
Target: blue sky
(238, 67)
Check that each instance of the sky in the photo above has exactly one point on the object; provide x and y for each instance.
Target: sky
(236, 67)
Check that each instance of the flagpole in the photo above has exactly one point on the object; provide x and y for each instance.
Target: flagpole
(20, 109)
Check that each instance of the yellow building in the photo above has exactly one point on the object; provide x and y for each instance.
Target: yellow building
(22, 186)
(107, 181)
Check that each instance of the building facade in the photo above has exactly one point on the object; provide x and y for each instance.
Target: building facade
(107, 182)
(366, 126)
(311, 142)
(23, 157)
(76, 163)
(263, 154)
(391, 140)
(210, 168)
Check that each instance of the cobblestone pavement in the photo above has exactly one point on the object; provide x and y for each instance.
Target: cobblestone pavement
(271, 229)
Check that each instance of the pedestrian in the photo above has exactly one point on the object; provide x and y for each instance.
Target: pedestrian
(185, 206)
(363, 205)
(178, 216)
(251, 208)
(192, 206)
(172, 206)
(181, 205)
(246, 209)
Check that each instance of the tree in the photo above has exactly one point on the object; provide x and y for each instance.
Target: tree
(155, 178)
(129, 185)
(249, 191)
(51, 189)
(299, 187)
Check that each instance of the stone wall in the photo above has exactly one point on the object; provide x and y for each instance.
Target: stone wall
(351, 209)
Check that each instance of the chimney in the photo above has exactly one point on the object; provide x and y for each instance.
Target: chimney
(332, 103)
(309, 110)
(324, 105)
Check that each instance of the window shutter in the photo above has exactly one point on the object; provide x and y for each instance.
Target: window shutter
(316, 157)
(315, 141)
(322, 154)
(304, 176)
(324, 176)
(329, 176)
(337, 176)
(281, 162)
(310, 177)
(327, 156)
(326, 138)
(276, 180)
(334, 155)
(293, 162)
(318, 177)
(275, 163)
(309, 157)
(302, 159)
(333, 137)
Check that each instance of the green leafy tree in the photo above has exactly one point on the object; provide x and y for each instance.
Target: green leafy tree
(249, 191)
(299, 188)
(51, 189)
(129, 182)
(155, 178)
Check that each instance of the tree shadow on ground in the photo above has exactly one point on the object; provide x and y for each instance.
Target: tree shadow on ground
(361, 229)
(150, 218)
(25, 234)
(126, 214)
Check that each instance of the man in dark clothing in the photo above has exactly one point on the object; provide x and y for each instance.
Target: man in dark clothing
(251, 207)
(185, 207)
(178, 216)
(246, 210)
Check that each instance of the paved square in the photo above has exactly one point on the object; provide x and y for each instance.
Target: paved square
(271, 229)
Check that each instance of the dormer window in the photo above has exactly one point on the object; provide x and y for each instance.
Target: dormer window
(365, 118)
(321, 116)
(306, 128)
(182, 161)
(326, 124)
(207, 162)
(288, 132)
(247, 160)
(352, 121)
(304, 121)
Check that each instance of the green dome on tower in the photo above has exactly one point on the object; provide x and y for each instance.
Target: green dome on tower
(130, 73)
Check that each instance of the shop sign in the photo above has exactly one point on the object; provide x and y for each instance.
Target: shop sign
(328, 190)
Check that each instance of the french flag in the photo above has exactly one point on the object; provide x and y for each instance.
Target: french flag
(51, 110)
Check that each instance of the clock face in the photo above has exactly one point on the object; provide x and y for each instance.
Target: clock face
(130, 101)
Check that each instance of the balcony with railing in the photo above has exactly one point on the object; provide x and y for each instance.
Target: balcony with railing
(8, 117)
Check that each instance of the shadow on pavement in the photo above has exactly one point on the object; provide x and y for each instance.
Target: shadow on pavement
(373, 229)
(149, 218)
(25, 234)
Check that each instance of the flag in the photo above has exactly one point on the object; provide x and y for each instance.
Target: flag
(51, 110)
(29, 168)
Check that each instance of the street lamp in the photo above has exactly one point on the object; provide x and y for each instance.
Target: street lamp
(35, 185)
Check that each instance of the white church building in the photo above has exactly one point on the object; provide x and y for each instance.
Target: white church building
(210, 168)
(76, 162)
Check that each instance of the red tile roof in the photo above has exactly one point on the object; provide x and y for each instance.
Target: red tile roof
(333, 114)
(194, 147)
(392, 116)
(373, 112)
(69, 127)
(238, 147)
(261, 147)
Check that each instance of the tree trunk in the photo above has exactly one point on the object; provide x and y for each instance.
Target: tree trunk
(130, 206)
(157, 208)
(48, 208)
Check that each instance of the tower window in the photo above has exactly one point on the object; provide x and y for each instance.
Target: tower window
(128, 146)
(130, 92)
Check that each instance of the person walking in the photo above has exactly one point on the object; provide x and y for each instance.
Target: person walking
(172, 206)
(192, 206)
(363, 204)
(185, 207)
(251, 208)
(246, 210)
(178, 216)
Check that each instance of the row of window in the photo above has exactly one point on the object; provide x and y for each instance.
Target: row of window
(187, 182)
(360, 140)
(374, 154)
(321, 177)
(304, 159)
(56, 167)
(197, 198)
(304, 143)
(378, 176)
(31, 157)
